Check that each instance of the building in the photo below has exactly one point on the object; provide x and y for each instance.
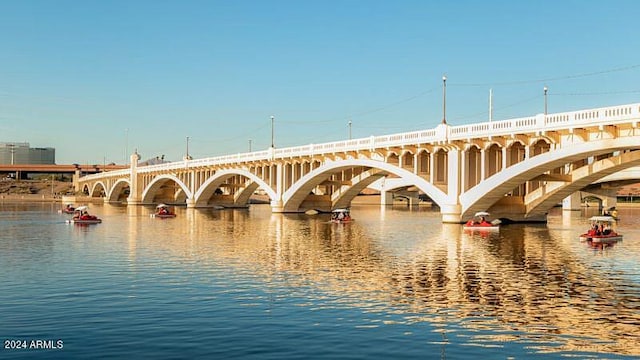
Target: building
(12, 153)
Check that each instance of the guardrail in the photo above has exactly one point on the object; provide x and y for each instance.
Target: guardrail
(442, 133)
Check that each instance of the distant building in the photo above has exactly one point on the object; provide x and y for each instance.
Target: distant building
(12, 153)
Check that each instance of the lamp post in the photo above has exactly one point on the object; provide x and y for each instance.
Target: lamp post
(272, 120)
(249, 145)
(545, 99)
(12, 148)
(444, 99)
(187, 157)
(349, 129)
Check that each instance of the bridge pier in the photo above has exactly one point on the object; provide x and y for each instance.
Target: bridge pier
(386, 197)
(133, 201)
(451, 213)
(277, 206)
(572, 202)
(191, 203)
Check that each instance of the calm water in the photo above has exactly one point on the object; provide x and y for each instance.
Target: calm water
(249, 284)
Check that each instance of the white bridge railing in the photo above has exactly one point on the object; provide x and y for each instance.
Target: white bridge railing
(442, 133)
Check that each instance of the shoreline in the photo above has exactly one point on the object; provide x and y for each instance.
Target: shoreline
(360, 200)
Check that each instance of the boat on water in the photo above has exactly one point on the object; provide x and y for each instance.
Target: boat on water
(613, 212)
(480, 222)
(68, 209)
(163, 212)
(340, 216)
(601, 230)
(81, 216)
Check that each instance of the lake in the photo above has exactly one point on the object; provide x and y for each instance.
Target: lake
(249, 284)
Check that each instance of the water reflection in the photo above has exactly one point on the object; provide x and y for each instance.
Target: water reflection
(529, 283)
(535, 284)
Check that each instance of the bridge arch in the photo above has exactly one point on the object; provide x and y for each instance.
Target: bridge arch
(207, 189)
(544, 199)
(98, 190)
(294, 196)
(488, 192)
(118, 190)
(156, 186)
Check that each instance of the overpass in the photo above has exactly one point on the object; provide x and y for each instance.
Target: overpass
(20, 169)
(516, 168)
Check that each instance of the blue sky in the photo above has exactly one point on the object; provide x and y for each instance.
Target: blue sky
(97, 79)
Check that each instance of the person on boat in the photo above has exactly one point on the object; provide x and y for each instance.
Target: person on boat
(163, 211)
(77, 214)
(614, 213)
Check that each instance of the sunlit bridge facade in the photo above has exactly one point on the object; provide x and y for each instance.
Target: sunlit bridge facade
(516, 169)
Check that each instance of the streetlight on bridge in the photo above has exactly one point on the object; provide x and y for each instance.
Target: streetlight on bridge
(187, 157)
(545, 99)
(444, 99)
(349, 129)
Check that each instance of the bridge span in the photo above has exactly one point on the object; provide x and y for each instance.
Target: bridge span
(517, 168)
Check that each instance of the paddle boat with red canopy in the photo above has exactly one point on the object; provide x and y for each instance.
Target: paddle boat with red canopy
(341, 216)
(601, 230)
(67, 209)
(163, 212)
(81, 216)
(479, 222)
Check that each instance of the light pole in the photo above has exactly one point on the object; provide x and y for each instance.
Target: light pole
(545, 99)
(249, 145)
(444, 99)
(187, 157)
(272, 120)
(349, 129)
(13, 152)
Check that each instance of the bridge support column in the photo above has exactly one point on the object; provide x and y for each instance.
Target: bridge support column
(386, 197)
(572, 202)
(191, 203)
(277, 206)
(451, 213)
(135, 197)
(609, 202)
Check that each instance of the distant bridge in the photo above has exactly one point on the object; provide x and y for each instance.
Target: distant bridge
(517, 168)
(56, 169)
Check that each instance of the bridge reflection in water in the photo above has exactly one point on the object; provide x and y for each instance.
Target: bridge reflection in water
(535, 284)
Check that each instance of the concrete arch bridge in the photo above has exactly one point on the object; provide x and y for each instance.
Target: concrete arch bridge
(516, 168)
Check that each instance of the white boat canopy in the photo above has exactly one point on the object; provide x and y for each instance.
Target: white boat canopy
(82, 208)
(340, 210)
(482, 213)
(602, 218)
(161, 205)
